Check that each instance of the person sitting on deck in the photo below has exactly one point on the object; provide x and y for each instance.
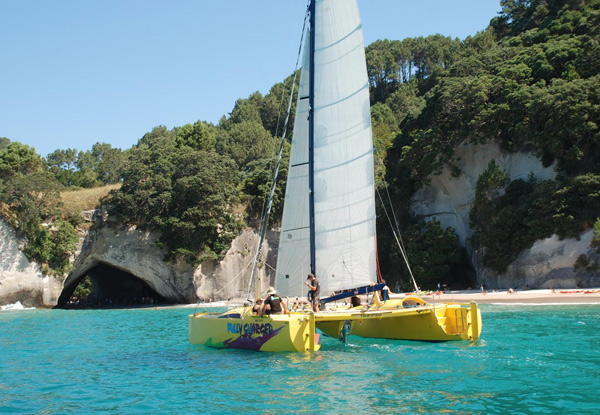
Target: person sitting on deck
(257, 309)
(354, 301)
(273, 303)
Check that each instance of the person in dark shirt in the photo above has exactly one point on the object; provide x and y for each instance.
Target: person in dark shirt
(273, 303)
(315, 288)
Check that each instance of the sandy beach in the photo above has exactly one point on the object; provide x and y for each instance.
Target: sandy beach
(558, 296)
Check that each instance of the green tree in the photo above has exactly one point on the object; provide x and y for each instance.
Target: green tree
(256, 182)
(83, 289)
(64, 239)
(274, 106)
(17, 158)
(199, 223)
(63, 165)
(434, 254)
(199, 136)
(490, 183)
(31, 198)
(245, 110)
(184, 193)
(146, 192)
(4, 142)
(108, 163)
(246, 142)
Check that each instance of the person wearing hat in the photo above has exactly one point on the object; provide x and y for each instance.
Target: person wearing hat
(273, 303)
(315, 288)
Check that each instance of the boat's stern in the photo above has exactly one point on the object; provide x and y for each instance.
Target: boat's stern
(460, 320)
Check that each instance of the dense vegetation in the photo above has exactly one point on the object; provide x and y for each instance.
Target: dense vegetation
(29, 195)
(531, 80)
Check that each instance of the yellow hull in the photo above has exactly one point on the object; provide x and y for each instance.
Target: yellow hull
(408, 319)
(240, 329)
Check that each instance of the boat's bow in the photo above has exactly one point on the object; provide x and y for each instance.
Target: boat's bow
(240, 329)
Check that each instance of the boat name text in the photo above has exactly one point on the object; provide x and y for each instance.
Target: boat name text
(250, 328)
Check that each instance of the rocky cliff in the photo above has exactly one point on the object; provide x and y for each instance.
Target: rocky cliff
(549, 262)
(21, 280)
(109, 248)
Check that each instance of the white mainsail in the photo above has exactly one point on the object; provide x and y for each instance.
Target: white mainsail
(344, 202)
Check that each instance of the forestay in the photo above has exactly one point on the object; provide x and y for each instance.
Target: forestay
(343, 163)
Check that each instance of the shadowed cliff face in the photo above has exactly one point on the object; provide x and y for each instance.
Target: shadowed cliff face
(111, 287)
(449, 198)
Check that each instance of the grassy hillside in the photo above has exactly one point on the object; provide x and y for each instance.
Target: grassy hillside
(85, 199)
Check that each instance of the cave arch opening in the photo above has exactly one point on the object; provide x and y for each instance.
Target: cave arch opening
(104, 286)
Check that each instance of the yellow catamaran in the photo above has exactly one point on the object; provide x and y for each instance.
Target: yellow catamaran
(328, 223)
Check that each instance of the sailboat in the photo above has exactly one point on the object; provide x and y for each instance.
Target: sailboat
(328, 224)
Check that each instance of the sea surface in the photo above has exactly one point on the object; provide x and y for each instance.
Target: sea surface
(530, 360)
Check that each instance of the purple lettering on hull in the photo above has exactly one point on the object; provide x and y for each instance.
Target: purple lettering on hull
(247, 342)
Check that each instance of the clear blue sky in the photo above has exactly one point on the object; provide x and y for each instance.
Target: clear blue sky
(74, 72)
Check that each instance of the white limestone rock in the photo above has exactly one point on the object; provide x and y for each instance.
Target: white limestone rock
(133, 251)
(21, 280)
(549, 263)
(229, 279)
(449, 199)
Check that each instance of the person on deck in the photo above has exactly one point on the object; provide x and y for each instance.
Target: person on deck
(257, 309)
(315, 288)
(273, 303)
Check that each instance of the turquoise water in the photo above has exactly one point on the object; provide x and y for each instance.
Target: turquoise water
(531, 360)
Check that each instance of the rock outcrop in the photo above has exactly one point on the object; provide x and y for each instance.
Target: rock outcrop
(449, 197)
(21, 280)
(549, 262)
(135, 252)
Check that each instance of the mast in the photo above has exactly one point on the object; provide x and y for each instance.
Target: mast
(311, 138)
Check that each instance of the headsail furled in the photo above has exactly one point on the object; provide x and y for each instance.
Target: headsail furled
(344, 203)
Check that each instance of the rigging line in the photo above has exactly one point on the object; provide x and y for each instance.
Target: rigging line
(226, 285)
(265, 201)
(267, 213)
(281, 101)
(387, 191)
(234, 278)
(402, 250)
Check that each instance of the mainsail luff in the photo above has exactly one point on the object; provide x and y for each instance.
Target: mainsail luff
(311, 137)
(343, 188)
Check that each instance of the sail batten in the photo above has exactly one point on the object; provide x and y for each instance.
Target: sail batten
(343, 188)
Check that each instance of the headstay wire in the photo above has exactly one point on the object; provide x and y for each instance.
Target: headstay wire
(267, 213)
(226, 285)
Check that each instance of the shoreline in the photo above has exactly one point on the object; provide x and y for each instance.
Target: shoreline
(546, 296)
(588, 296)
(531, 297)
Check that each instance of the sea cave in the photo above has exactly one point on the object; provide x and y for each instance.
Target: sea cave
(104, 286)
